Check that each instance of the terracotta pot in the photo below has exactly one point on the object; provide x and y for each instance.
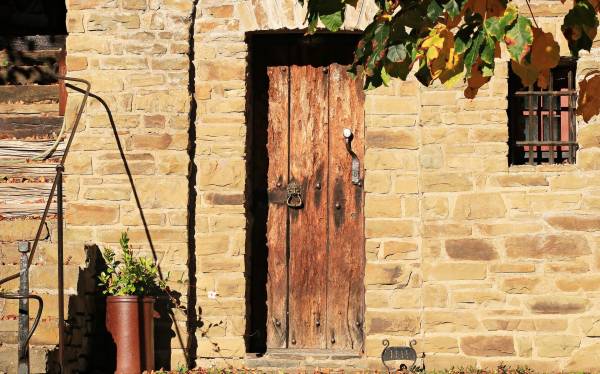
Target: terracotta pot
(129, 319)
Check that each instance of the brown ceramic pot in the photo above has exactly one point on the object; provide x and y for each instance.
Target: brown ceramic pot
(129, 319)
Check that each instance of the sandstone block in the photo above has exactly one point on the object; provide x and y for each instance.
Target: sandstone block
(211, 264)
(375, 228)
(440, 321)
(431, 157)
(546, 246)
(223, 70)
(451, 230)
(589, 325)
(497, 229)
(21, 230)
(383, 206)
(455, 271)
(390, 159)
(488, 345)
(209, 244)
(579, 283)
(446, 182)
(435, 296)
(91, 214)
(387, 138)
(588, 136)
(574, 223)
(435, 207)
(112, 193)
(558, 304)
(439, 344)
(169, 192)
(470, 249)
(134, 4)
(556, 345)
(221, 174)
(480, 205)
(393, 321)
(584, 359)
(513, 268)
(405, 298)
(521, 285)
(477, 296)
(386, 274)
(390, 105)
(518, 180)
(405, 184)
(399, 250)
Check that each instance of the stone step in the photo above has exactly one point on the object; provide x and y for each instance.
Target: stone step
(49, 108)
(30, 127)
(29, 94)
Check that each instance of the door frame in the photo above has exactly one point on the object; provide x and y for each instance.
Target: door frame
(256, 257)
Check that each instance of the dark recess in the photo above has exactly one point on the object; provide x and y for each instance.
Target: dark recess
(33, 17)
(273, 49)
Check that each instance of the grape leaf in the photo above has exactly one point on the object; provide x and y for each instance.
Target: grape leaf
(518, 39)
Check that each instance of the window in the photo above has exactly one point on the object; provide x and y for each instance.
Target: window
(542, 122)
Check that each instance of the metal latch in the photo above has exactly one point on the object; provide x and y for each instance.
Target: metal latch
(294, 195)
(348, 136)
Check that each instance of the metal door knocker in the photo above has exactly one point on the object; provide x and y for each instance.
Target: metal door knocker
(401, 354)
(294, 195)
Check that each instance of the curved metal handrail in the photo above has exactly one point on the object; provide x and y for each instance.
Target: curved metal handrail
(56, 186)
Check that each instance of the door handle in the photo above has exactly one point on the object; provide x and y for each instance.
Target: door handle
(348, 136)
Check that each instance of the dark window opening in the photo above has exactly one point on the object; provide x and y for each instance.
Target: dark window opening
(33, 17)
(542, 127)
(273, 49)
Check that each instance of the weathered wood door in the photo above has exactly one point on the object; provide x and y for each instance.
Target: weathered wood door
(315, 251)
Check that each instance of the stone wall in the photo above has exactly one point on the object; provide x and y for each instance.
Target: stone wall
(480, 262)
(135, 54)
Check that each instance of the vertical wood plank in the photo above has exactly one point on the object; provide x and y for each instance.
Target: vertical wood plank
(346, 260)
(308, 225)
(277, 147)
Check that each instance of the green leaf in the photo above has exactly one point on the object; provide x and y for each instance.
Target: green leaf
(333, 21)
(487, 54)
(385, 77)
(463, 39)
(452, 8)
(496, 26)
(518, 39)
(434, 10)
(473, 51)
(396, 53)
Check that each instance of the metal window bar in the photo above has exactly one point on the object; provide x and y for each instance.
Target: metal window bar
(547, 139)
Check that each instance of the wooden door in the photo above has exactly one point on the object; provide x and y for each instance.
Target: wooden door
(315, 251)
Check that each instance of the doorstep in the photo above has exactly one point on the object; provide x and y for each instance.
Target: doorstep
(307, 359)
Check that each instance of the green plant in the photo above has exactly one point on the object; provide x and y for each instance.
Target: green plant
(136, 276)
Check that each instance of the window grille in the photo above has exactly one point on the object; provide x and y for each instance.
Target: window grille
(542, 128)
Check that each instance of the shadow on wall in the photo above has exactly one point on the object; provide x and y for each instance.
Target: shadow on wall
(87, 343)
(89, 347)
(165, 328)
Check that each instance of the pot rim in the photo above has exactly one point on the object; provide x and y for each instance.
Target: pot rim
(129, 299)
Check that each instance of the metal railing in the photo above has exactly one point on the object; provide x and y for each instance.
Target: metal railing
(26, 260)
